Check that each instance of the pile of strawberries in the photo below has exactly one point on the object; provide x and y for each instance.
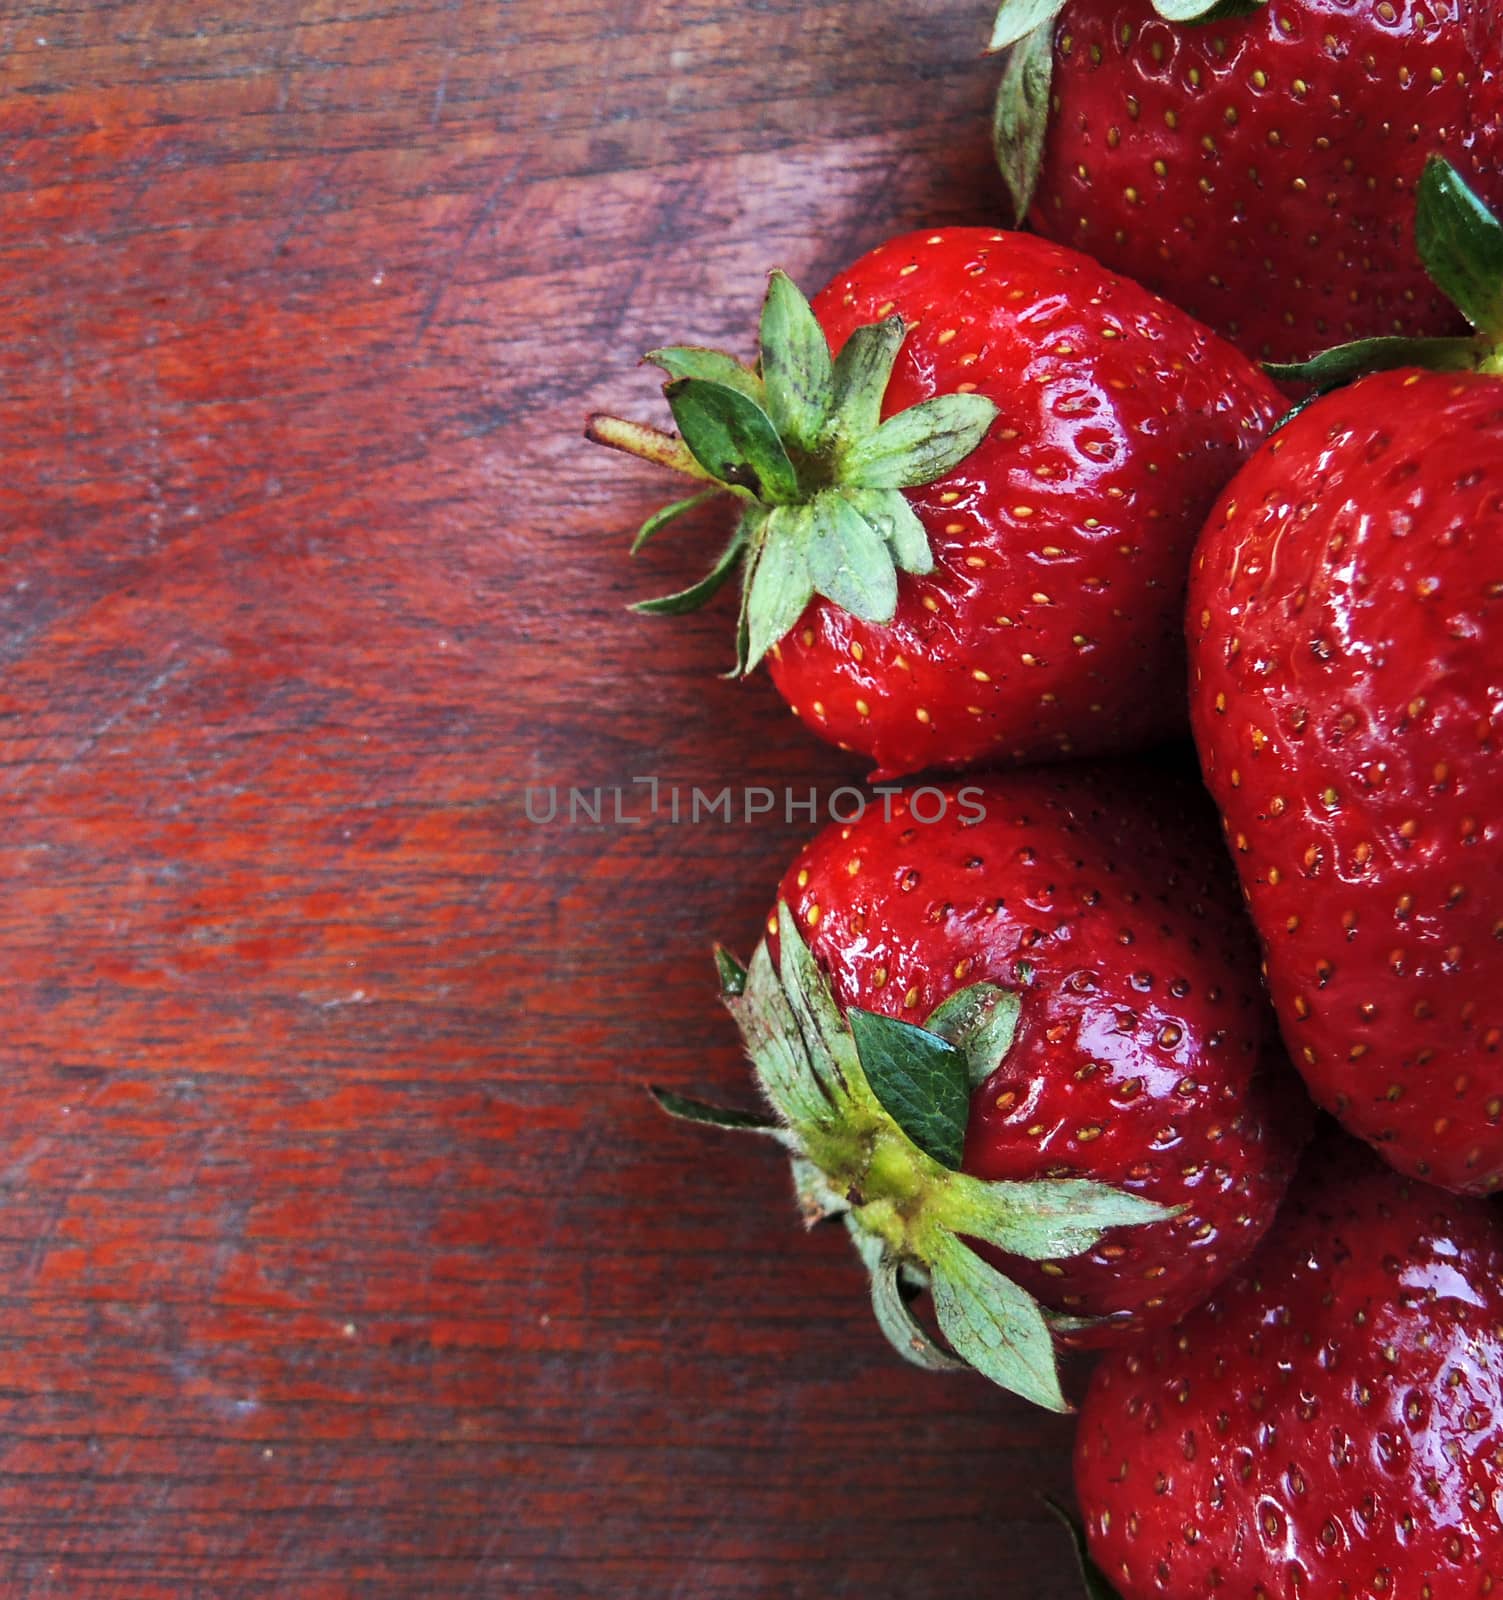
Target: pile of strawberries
(1000, 506)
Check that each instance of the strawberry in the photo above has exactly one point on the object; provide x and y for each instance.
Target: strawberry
(995, 571)
(1346, 632)
(1329, 1424)
(1035, 1028)
(1257, 168)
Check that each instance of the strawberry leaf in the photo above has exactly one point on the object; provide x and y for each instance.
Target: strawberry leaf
(1048, 1219)
(1206, 10)
(714, 366)
(1020, 116)
(897, 522)
(903, 1330)
(996, 1326)
(780, 587)
(776, 1046)
(919, 1079)
(1461, 244)
(669, 514)
(706, 1115)
(796, 369)
(733, 438)
(697, 594)
(849, 562)
(862, 372)
(1096, 1586)
(1345, 363)
(754, 522)
(1015, 18)
(731, 973)
(920, 444)
(980, 1022)
(832, 1050)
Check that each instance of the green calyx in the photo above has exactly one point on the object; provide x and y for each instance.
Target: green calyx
(1460, 242)
(800, 442)
(1020, 116)
(873, 1114)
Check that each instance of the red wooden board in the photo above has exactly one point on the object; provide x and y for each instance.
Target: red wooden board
(341, 1252)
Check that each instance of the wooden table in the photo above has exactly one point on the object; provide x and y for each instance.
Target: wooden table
(343, 1254)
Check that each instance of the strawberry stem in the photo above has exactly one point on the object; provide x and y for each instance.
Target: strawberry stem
(646, 443)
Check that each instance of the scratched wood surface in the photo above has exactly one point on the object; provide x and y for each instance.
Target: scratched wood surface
(341, 1253)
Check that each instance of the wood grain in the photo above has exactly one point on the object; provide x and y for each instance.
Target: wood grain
(342, 1252)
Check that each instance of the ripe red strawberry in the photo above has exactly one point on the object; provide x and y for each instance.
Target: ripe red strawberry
(1076, 938)
(996, 572)
(1329, 1424)
(1259, 170)
(1346, 628)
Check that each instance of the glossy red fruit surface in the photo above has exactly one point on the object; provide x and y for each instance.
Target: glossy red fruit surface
(1102, 897)
(1329, 1424)
(1346, 629)
(1260, 171)
(1051, 622)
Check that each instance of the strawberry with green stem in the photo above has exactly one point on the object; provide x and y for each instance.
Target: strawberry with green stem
(1016, 1049)
(963, 537)
(1346, 639)
(1254, 162)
